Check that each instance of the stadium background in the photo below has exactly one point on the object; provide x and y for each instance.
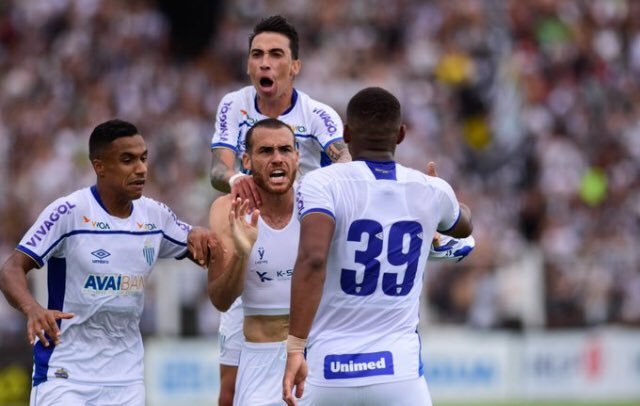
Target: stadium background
(531, 109)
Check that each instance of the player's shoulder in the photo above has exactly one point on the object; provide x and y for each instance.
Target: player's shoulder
(221, 203)
(76, 200)
(320, 109)
(331, 173)
(155, 210)
(412, 175)
(240, 96)
(150, 205)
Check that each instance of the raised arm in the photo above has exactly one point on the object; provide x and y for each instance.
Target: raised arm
(226, 273)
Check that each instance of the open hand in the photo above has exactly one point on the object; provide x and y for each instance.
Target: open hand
(244, 233)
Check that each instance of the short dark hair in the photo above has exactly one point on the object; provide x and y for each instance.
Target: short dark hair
(280, 25)
(374, 110)
(105, 133)
(272, 123)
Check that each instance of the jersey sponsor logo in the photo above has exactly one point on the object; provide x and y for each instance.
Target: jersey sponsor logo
(299, 200)
(298, 129)
(263, 276)
(327, 120)
(49, 222)
(146, 226)
(347, 366)
(261, 252)
(113, 284)
(284, 275)
(250, 120)
(101, 254)
(223, 119)
(101, 225)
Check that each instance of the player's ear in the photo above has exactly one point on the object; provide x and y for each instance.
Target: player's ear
(401, 133)
(346, 135)
(296, 65)
(246, 161)
(98, 167)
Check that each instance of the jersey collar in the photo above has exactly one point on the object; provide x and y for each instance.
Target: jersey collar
(294, 100)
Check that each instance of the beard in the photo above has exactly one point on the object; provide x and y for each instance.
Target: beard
(263, 183)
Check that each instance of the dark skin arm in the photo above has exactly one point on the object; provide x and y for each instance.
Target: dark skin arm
(316, 232)
(13, 283)
(201, 244)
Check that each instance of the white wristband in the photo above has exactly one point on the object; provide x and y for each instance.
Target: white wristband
(235, 177)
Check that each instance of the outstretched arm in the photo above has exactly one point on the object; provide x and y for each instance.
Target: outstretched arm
(201, 244)
(13, 283)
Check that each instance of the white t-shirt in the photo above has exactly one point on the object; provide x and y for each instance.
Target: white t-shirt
(97, 267)
(365, 329)
(315, 125)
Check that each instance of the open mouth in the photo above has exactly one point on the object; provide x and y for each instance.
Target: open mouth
(278, 174)
(266, 82)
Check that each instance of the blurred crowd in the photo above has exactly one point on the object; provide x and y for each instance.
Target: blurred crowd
(530, 109)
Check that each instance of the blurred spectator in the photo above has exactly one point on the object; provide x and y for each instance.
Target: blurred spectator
(532, 108)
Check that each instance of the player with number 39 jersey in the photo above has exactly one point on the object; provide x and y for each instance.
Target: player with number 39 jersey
(366, 229)
(374, 269)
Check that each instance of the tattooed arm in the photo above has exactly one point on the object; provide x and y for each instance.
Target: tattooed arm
(338, 152)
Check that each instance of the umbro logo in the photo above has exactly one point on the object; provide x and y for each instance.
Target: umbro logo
(101, 254)
(263, 276)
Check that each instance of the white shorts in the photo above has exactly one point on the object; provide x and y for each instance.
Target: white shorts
(259, 381)
(62, 392)
(401, 393)
(231, 336)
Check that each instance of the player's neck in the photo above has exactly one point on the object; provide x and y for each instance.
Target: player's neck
(116, 206)
(274, 107)
(276, 210)
(373, 155)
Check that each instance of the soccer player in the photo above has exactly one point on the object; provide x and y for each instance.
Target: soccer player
(258, 265)
(365, 233)
(100, 244)
(272, 66)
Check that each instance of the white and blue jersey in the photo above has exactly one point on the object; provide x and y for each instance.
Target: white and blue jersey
(365, 329)
(97, 267)
(315, 125)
